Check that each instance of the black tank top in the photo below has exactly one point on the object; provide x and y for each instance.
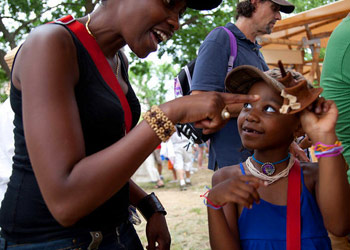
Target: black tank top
(24, 216)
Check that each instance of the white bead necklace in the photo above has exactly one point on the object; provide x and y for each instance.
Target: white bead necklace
(269, 179)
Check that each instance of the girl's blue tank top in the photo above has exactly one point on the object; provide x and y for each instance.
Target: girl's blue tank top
(264, 226)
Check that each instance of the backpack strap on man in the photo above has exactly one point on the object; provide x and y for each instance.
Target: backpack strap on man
(182, 87)
(233, 46)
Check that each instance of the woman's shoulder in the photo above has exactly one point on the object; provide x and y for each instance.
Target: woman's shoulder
(50, 31)
(46, 43)
(48, 39)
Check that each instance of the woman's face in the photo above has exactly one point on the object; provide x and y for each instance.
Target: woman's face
(260, 124)
(146, 23)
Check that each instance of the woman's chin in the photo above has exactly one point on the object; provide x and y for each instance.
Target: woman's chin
(144, 54)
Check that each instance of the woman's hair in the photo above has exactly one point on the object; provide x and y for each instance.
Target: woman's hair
(246, 8)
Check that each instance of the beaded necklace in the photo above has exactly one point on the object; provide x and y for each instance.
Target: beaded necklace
(269, 168)
(269, 179)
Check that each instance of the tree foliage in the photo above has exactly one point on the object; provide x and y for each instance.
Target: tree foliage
(18, 17)
(150, 81)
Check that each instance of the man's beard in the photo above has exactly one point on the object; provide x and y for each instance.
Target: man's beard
(269, 28)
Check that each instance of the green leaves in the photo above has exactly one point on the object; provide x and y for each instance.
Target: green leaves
(150, 80)
(195, 26)
(18, 17)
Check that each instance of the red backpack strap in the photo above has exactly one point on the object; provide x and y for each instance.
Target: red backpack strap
(293, 208)
(101, 63)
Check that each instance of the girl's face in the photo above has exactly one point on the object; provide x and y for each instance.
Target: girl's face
(146, 23)
(260, 124)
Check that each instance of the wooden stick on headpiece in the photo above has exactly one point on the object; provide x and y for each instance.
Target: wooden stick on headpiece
(283, 71)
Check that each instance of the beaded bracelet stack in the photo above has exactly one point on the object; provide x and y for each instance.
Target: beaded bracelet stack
(160, 123)
(323, 150)
(208, 202)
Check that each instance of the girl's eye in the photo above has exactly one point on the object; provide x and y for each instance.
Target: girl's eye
(270, 109)
(247, 105)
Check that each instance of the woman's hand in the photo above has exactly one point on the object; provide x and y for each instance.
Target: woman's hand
(298, 152)
(305, 143)
(158, 236)
(238, 189)
(204, 109)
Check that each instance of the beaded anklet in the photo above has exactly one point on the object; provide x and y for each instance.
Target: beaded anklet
(323, 150)
(160, 123)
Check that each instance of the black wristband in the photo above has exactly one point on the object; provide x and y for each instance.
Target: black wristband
(150, 205)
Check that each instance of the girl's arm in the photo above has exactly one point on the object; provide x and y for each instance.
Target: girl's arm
(73, 184)
(231, 190)
(223, 236)
(332, 187)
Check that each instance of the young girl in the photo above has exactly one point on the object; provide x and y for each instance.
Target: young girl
(70, 186)
(248, 202)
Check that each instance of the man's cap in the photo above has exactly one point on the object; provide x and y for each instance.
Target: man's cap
(203, 4)
(285, 6)
(296, 92)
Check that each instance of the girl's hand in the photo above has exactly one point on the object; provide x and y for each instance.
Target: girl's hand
(320, 126)
(238, 189)
(319, 106)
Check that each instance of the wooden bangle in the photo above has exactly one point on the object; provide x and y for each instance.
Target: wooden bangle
(160, 123)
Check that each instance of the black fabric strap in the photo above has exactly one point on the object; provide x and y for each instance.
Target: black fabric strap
(150, 205)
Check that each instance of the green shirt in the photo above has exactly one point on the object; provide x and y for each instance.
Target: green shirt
(335, 80)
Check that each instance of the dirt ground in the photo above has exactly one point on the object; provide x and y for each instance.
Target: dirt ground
(187, 215)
